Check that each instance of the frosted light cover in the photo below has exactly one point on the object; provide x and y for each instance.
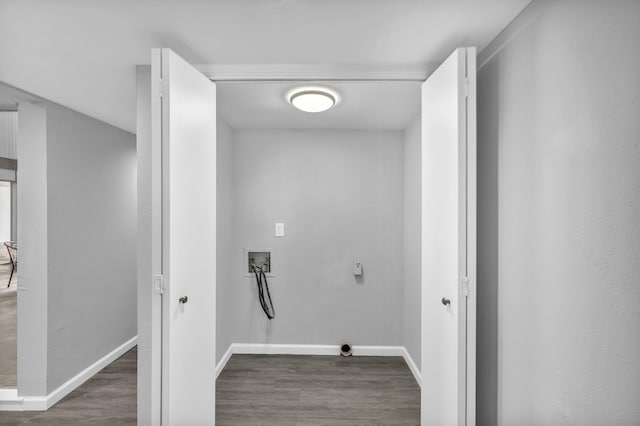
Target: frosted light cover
(312, 100)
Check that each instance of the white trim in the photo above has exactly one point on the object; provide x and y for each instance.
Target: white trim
(378, 351)
(511, 31)
(289, 349)
(22, 403)
(223, 361)
(412, 366)
(42, 403)
(307, 72)
(8, 394)
(279, 349)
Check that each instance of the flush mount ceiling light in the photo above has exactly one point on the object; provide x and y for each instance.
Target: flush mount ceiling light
(312, 99)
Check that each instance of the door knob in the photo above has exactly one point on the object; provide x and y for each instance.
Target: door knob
(446, 301)
(183, 300)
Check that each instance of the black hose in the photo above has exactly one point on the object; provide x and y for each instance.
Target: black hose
(267, 308)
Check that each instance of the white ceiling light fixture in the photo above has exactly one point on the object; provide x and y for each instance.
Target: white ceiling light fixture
(312, 99)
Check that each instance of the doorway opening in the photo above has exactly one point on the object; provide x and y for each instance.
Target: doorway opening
(337, 195)
(8, 246)
(335, 198)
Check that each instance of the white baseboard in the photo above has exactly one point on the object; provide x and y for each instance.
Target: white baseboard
(10, 401)
(223, 361)
(287, 349)
(412, 366)
(378, 350)
(280, 349)
(8, 394)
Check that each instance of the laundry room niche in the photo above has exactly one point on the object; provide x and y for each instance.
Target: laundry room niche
(346, 185)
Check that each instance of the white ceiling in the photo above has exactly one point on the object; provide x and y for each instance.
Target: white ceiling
(82, 53)
(363, 105)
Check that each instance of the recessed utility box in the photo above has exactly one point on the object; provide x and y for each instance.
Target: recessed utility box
(260, 257)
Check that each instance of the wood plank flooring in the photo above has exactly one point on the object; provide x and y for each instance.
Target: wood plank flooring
(258, 390)
(108, 398)
(252, 389)
(316, 390)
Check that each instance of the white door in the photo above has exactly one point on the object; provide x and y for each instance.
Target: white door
(449, 242)
(183, 120)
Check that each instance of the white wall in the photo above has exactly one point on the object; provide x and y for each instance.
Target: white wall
(14, 211)
(411, 239)
(339, 194)
(91, 205)
(8, 149)
(8, 134)
(5, 212)
(224, 253)
(559, 174)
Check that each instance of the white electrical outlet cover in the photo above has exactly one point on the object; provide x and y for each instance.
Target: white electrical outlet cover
(357, 268)
(279, 229)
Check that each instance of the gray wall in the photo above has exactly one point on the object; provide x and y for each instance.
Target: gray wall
(412, 240)
(224, 253)
(32, 254)
(148, 310)
(559, 217)
(91, 206)
(339, 194)
(487, 248)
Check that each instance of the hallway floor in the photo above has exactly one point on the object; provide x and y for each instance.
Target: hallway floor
(258, 390)
(108, 398)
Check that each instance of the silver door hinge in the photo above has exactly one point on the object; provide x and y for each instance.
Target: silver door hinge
(466, 87)
(464, 286)
(161, 89)
(159, 284)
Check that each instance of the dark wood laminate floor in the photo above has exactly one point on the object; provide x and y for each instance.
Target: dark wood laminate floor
(258, 390)
(108, 398)
(316, 390)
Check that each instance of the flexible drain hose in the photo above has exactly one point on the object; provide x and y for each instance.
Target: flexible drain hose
(261, 279)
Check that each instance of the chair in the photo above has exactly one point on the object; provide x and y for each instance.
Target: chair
(12, 248)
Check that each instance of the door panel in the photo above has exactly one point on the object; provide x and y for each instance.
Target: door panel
(186, 119)
(448, 242)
